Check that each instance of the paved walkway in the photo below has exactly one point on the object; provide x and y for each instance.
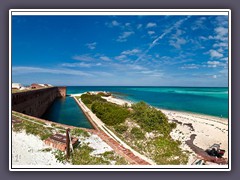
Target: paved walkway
(112, 140)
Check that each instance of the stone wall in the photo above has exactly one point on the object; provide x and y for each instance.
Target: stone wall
(36, 102)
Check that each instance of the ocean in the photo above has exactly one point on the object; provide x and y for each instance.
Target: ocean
(207, 101)
(202, 100)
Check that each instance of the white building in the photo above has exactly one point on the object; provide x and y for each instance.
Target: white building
(17, 86)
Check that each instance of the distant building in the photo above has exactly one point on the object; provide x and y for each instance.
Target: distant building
(17, 86)
(35, 86)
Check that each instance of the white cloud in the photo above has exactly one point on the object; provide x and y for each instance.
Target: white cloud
(136, 67)
(123, 37)
(221, 34)
(105, 58)
(222, 21)
(151, 24)
(28, 70)
(151, 32)
(82, 64)
(112, 24)
(213, 64)
(91, 45)
(98, 64)
(115, 23)
(131, 52)
(83, 58)
(225, 59)
(190, 66)
(215, 54)
(176, 40)
(199, 23)
(221, 31)
(214, 76)
(166, 31)
(121, 57)
(221, 44)
(203, 38)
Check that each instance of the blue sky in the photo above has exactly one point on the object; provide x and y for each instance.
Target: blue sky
(120, 50)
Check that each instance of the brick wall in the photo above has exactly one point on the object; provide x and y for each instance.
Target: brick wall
(36, 102)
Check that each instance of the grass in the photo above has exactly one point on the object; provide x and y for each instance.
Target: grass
(47, 150)
(82, 156)
(60, 156)
(34, 129)
(79, 132)
(120, 129)
(137, 133)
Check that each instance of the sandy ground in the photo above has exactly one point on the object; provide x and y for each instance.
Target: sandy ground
(97, 144)
(27, 150)
(209, 129)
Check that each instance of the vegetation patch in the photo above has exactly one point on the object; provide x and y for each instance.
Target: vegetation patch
(147, 130)
(88, 99)
(82, 156)
(104, 94)
(137, 133)
(109, 113)
(79, 132)
(34, 129)
(120, 129)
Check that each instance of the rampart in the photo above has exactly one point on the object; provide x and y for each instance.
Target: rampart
(36, 102)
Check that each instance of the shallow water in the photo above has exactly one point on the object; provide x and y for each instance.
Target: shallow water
(209, 101)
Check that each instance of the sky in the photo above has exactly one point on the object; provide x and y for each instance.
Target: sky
(120, 50)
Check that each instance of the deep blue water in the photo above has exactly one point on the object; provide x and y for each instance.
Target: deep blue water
(66, 111)
(209, 101)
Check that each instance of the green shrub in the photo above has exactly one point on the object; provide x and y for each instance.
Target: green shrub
(166, 149)
(104, 94)
(120, 129)
(89, 99)
(137, 133)
(150, 119)
(110, 113)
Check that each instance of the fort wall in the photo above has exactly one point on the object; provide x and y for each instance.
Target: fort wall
(36, 102)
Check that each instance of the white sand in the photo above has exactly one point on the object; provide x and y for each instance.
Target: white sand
(97, 144)
(209, 129)
(26, 150)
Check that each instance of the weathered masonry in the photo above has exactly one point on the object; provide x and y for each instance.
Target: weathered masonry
(36, 102)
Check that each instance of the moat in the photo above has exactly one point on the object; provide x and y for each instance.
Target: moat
(66, 111)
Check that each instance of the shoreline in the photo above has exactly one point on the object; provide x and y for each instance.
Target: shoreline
(217, 118)
(208, 129)
(180, 111)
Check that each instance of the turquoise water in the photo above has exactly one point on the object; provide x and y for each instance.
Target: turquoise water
(66, 111)
(209, 101)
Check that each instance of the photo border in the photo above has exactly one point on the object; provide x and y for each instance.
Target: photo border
(122, 168)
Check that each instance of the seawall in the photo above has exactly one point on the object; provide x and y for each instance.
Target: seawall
(36, 102)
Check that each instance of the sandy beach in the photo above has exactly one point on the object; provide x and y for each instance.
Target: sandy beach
(208, 129)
